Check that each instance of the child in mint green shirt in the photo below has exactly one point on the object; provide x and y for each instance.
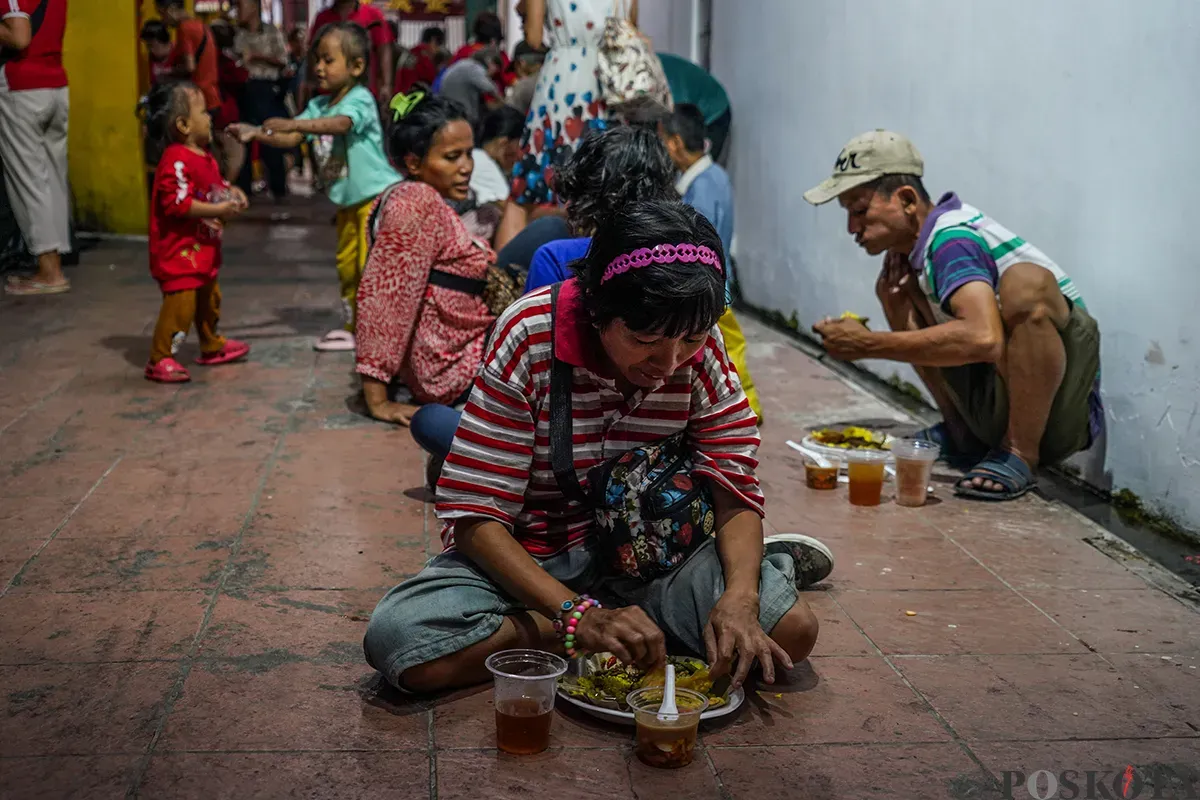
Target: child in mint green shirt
(343, 129)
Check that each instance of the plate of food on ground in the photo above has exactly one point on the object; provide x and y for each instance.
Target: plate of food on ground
(835, 442)
(604, 682)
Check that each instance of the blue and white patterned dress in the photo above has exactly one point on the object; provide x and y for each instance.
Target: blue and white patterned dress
(567, 100)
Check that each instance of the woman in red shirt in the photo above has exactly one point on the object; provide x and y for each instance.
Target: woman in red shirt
(421, 318)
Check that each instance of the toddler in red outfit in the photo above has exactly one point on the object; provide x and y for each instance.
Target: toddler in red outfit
(188, 208)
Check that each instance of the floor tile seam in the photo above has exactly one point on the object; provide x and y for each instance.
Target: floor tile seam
(16, 578)
(891, 744)
(171, 401)
(929, 707)
(186, 663)
(41, 401)
(431, 751)
(219, 751)
(722, 790)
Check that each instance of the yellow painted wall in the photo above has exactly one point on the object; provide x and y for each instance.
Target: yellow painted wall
(101, 54)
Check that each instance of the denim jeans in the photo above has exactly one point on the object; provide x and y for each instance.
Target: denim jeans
(433, 428)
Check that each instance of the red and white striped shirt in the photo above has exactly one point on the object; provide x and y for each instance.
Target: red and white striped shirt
(499, 466)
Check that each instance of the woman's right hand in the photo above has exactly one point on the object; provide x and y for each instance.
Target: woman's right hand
(628, 633)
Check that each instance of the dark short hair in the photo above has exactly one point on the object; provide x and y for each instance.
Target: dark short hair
(487, 28)
(642, 111)
(673, 300)
(610, 170)
(169, 3)
(223, 35)
(155, 31)
(503, 122)
(488, 56)
(433, 34)
(888, 185)
(356, 43)
(687, 122)
(526, 52)
(414, 133)
(164, 106)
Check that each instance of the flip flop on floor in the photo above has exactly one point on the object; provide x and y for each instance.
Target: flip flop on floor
(336, 341)
(1000, 467)
(27, 287)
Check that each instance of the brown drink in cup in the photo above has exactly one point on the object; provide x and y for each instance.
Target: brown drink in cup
(914, 465)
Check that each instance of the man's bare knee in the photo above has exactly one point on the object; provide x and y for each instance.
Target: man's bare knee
(797, 631)
(1030, 294)
(433, 676)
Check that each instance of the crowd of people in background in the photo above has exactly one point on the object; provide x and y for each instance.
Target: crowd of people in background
(502, 221)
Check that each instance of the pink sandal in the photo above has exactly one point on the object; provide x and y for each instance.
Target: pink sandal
(232, 351)
(336, 341)
(167, 371)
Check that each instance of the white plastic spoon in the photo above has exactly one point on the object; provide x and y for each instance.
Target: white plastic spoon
(821, 460)
(667, 712)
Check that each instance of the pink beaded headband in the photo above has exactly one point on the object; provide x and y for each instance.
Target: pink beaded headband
(662, 254)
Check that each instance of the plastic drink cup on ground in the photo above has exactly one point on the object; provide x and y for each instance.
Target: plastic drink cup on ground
(526, 682)
(660, 743)
(914, 465)
(865, 470)
(818, 477)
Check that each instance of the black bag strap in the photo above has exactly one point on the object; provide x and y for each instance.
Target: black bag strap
(203, 42)
(446, 280)
(562, 445)
(458, 283)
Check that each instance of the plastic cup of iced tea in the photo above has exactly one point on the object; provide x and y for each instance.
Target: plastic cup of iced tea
(667, 744)
(865, 470)
(526, 682)
(914, 465)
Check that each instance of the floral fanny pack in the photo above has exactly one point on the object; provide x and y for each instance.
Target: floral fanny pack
(651, 513)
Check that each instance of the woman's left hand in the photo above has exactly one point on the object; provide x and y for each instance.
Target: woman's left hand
(733, 628)
(399, 413)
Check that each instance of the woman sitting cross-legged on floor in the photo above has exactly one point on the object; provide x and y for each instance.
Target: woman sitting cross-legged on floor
(636, 362)
(420, 317)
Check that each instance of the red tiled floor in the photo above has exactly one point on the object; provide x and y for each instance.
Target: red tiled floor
(852, 771)
(288, 775)
(834, 699)
(97, 708)
(583, 773)
(273, 700)
(1040, 697)
(128, 563)
(1148, 620)
(99, 626)
(1175, 680)
(318, 625)
(955, 622)
(66, 777)
(267, 479)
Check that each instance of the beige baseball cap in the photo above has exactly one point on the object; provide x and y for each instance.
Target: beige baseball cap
(865, 158)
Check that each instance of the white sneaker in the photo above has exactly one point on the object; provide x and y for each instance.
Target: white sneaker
(814, 561)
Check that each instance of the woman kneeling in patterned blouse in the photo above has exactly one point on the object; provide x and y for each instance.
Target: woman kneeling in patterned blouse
(636, 331)
(421, 320)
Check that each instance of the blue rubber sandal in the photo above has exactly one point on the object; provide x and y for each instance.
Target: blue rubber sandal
(999, 467)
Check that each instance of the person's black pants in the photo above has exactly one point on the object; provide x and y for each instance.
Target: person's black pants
(262, 100)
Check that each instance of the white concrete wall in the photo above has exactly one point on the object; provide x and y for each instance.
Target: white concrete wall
(1074, 123)
(669, 24)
